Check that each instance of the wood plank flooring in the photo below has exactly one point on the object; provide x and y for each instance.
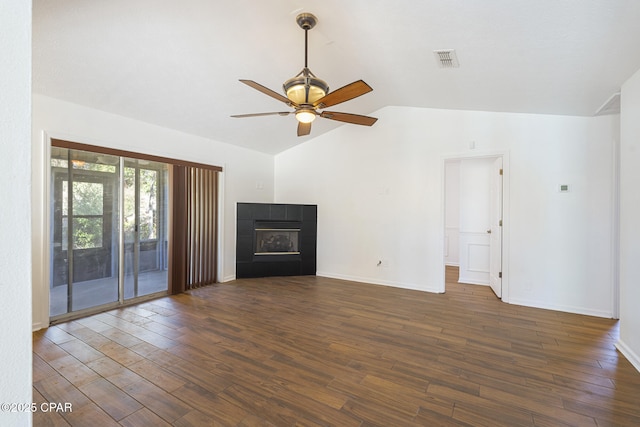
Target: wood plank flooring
(312, 351)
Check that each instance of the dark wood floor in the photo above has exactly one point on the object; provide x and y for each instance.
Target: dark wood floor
(312, 351)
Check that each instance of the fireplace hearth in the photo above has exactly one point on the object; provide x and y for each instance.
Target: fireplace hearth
(275, 240)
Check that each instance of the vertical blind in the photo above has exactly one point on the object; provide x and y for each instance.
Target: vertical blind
(194, 224)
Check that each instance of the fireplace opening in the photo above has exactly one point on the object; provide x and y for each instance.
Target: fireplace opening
(277, 241)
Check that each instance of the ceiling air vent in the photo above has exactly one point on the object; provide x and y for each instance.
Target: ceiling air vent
(610, 106)
(446, 58)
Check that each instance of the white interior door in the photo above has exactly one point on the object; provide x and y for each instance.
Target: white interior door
(475, 186)
(495, 245)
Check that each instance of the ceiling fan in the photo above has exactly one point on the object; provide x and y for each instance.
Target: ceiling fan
(307, 94)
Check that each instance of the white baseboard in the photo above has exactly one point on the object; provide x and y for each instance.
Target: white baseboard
(564, 308)
(629, 354)
(375, 281)
(228, 278)
(37, 326)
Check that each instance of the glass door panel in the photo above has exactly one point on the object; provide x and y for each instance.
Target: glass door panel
(84, 251)
(145, 228)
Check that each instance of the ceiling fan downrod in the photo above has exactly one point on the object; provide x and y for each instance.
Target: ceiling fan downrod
(306, 21)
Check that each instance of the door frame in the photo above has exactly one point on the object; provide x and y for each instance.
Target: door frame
(506, 223)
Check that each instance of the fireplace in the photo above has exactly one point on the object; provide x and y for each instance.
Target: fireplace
(275, 240)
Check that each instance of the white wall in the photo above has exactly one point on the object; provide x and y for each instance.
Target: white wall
(379, 192)
(629, 342)
(15, 225)
(247, 175)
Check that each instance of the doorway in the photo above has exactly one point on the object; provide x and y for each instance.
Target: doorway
(473, 220)
(108, 230)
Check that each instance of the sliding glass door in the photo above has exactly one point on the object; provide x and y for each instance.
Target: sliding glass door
(95, 196)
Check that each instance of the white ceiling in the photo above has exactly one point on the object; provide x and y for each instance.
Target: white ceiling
(177, 63)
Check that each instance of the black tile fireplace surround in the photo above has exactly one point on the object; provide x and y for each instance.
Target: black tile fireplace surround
(275, 239)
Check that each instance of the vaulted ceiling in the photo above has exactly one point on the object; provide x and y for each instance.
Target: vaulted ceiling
(177, 63)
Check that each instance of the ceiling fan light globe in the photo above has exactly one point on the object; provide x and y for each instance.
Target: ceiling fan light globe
(296, 89)
(305, 116)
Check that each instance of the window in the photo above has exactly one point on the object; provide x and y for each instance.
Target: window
(88, 212)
